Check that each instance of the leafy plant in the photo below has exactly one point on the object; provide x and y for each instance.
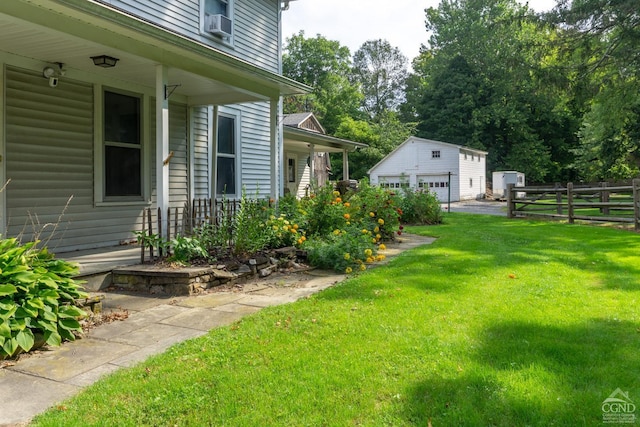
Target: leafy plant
(36, 298)
(420, 207)
(250, 231)
(187, 249)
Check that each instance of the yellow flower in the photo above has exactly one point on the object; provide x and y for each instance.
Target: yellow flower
(372, 214)
(347, 256)
(380, 221)
(347, 204)
(296, 226)
(285, 227)
(368, 252)
(336, 231)
(363, 267)
(346, 216)
(365, 231)
(374, 240)
(336, 193)
(382, 247)
(378, 236)
(300, 240)
(338, 200)
(376, 230)
(369, 260)
(380, 257)
(348, 270)
(303, 238)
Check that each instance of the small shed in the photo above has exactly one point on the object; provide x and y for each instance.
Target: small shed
(503, 178)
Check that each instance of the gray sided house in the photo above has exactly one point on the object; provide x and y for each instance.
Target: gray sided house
(307, 149)
(110, 107)
(452, 172)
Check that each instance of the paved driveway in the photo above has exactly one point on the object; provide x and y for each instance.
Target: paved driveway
(487, 207)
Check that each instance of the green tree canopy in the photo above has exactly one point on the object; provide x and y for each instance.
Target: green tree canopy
(325, 65)
(381, 70)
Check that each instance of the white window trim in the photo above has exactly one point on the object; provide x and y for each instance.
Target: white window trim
(98, 144)
(237, 116)
(227, 41)
(295, 168)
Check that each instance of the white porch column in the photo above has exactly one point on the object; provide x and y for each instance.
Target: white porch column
(162, 143)
(345, 165)
(277, 150)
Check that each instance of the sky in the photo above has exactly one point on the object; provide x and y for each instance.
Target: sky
(353, 22)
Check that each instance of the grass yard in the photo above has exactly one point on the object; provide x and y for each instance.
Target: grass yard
(498, 323)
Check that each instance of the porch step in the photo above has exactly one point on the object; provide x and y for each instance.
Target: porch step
(163, 279)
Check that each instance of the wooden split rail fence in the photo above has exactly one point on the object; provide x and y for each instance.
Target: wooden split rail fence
(603, 202)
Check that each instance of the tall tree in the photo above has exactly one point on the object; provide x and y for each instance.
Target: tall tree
(325, 65)
(484, 86)
(381, 71)
(602, 39)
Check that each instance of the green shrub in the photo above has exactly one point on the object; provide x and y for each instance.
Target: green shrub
(376, 208)
(343, 250)
(420, 207)
(36, 298)
(250, 230)
(186, 249)
(324, 211)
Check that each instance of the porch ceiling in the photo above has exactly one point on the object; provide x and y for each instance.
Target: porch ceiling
(54, 32)
(300, 140)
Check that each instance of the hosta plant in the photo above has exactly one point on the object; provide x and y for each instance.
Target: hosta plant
(37, 293)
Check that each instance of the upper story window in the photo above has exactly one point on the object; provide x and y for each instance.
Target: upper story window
(435, 154)
(216, 18)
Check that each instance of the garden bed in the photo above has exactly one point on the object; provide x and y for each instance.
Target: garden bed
(174, 279)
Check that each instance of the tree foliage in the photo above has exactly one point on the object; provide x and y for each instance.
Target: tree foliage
(381, 70)
(325, 65)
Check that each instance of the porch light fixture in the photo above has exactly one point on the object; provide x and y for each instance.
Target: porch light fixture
(104, 61)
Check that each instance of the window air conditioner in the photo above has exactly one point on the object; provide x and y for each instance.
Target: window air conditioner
(218, 24)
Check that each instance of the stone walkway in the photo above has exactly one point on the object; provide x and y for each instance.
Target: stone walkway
(41, 380)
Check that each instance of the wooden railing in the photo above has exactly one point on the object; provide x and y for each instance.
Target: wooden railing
(587, 202)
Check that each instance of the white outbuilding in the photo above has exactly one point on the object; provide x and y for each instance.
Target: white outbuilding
(500, 180)
(453, 172)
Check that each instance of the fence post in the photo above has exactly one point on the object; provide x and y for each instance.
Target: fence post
(144, 233)
(570, 201)
(636, 204)
(150, 222)
(604, 198)
(511, 204)
(557, 187)
(160, 251)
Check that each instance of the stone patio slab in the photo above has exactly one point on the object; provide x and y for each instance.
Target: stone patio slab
(25, 395)
(215, 299)
(237, 308)
(266, 301)
(150, 335)
(72, 359)
(136, 321)
(203, 319)
(144, 353)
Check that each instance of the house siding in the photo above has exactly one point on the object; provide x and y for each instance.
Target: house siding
(49, 150)
(255, 25)
(255, 161)
(50, 158)
(201, 139)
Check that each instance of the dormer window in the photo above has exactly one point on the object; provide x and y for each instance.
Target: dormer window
(216, 18)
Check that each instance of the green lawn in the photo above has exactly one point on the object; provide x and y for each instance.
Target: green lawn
(498, 323)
